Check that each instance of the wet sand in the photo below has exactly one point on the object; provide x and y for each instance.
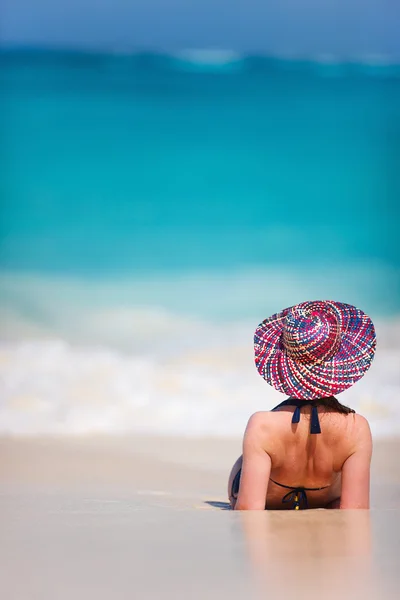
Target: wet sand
(147, 518)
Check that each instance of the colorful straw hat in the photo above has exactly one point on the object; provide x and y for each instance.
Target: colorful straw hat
(314, 349)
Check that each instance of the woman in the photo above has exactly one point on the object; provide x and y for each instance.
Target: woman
(310, 451)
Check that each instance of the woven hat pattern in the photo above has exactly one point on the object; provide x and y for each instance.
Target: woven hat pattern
(315, 349)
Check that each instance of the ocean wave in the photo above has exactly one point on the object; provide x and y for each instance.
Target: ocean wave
(123, 357)
(207, 59)
(52, 387)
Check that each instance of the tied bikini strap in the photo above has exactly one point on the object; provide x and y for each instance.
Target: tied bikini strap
(314, 426)
(297, 495)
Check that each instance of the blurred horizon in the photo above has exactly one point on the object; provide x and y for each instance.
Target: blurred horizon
(208, 55)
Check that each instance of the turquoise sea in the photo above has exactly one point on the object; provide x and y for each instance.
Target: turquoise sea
(155, 208)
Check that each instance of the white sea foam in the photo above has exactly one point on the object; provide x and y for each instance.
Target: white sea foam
(220, 56)
(50, 386)
(80, 359)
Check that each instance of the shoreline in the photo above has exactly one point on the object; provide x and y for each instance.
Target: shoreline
(165, 462)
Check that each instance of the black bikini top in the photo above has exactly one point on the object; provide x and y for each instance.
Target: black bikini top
(314, 426)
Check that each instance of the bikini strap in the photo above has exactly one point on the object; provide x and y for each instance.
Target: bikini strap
(315, 426)
(290, 487)
(297, 495)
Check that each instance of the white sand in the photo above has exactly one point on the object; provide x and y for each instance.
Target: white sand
(146, 518)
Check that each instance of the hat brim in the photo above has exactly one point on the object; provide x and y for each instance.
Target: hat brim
(310, 381)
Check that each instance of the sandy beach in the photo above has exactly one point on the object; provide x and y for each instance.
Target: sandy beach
(147, 518)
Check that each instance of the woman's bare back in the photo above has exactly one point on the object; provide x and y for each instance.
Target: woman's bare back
(288, 455)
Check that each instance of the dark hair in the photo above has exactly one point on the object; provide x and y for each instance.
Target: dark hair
(334, 404)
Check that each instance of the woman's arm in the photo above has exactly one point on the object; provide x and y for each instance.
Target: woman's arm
(256, 467)
(356, 470)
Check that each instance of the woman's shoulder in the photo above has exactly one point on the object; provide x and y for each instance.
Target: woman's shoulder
(267, 428)
(346, 435)
(260, 425)
(259, 420)
(353, 425)
(361, 422)
(361, 431)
